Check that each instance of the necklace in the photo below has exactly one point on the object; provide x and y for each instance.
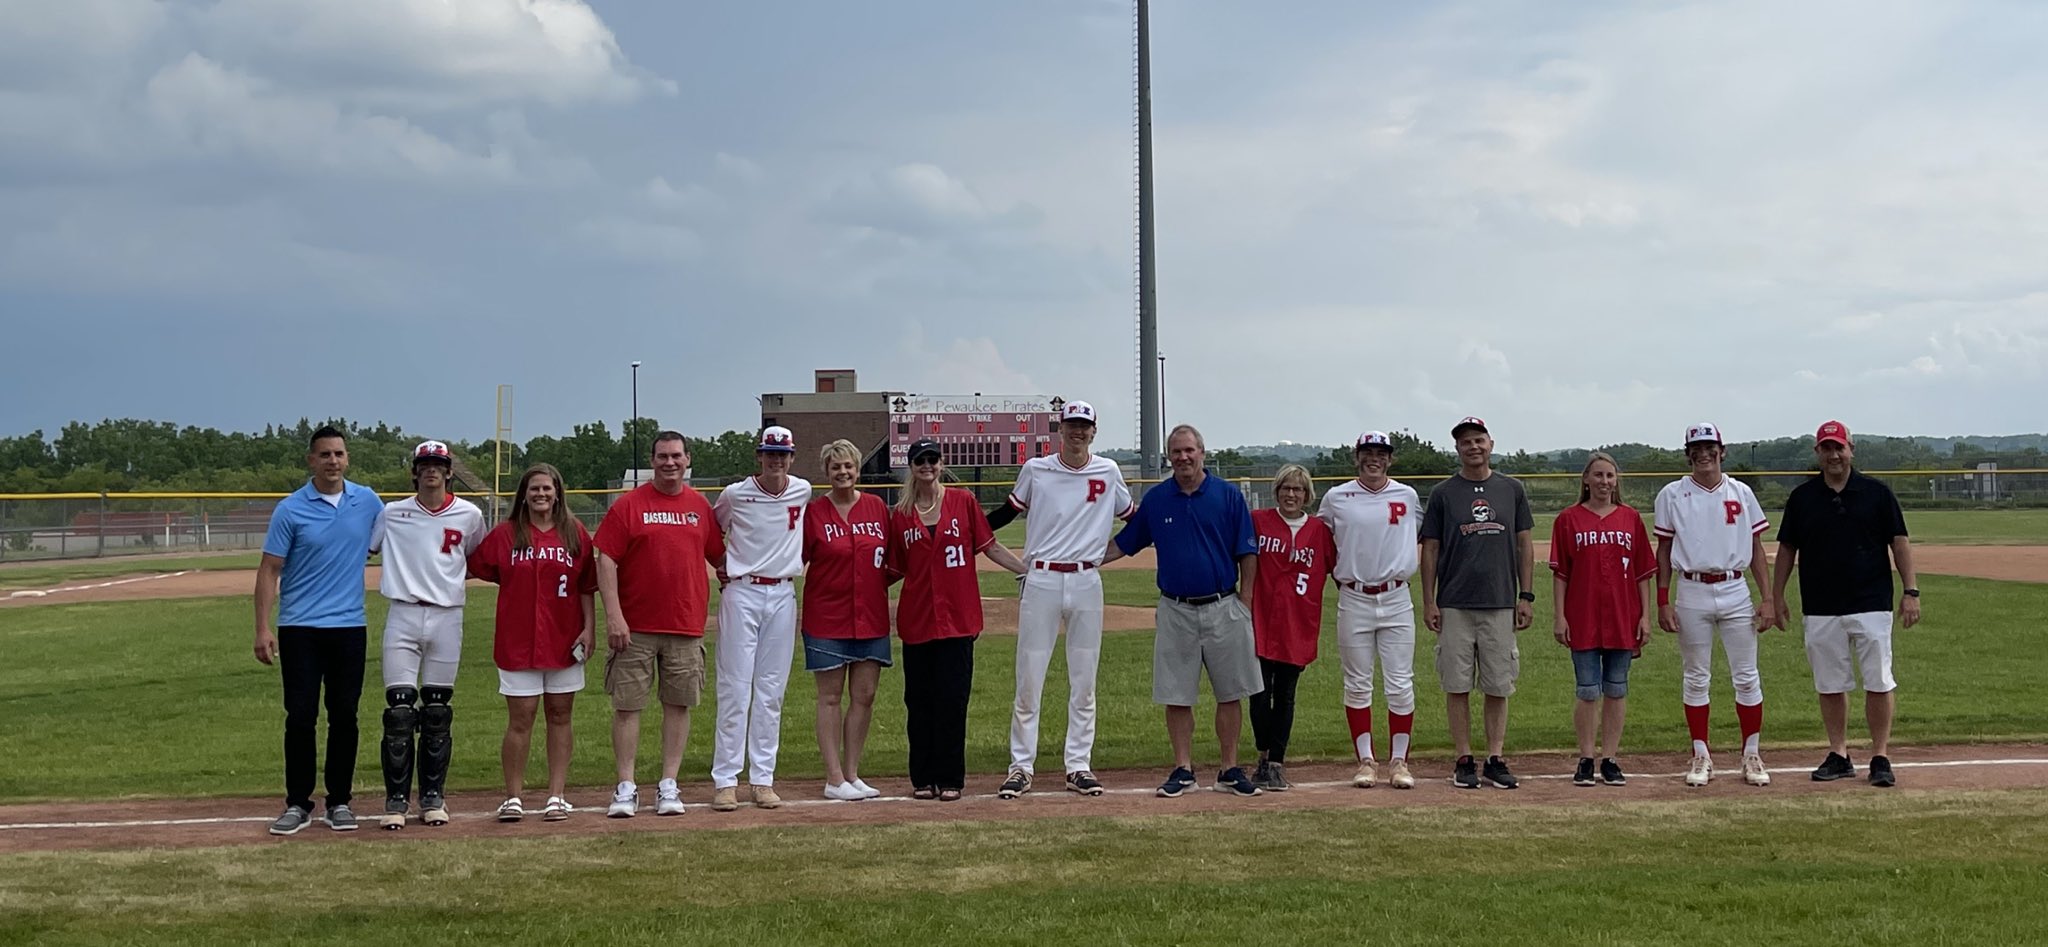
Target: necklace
(924, 511)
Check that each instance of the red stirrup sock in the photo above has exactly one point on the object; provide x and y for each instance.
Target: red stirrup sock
(1751, 717)
(1696, 723)
(1360, 719)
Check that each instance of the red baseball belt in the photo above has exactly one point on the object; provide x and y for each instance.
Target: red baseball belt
(1373, 589)
(1062, 566)
(766, 580)
(1711, 577)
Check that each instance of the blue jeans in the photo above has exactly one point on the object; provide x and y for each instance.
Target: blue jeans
(1602, 671)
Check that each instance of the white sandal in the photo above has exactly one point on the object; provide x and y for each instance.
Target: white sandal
(557, 809)
(510, 810)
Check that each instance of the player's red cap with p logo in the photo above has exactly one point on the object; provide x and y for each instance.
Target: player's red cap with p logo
(1374, 439)
(776, 440)
(1078, 411)
(432, 451)
(1703, 431)
(1833, 431)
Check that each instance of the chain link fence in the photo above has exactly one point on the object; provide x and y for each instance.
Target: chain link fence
(87, 525)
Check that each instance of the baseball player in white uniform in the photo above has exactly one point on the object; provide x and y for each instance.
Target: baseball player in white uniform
(1710, 538)
(426, 540)
(1375, 520)
(1071, 502)
(763, 520)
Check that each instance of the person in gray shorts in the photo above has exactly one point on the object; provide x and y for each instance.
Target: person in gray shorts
(1207, 556)
(1477, 563)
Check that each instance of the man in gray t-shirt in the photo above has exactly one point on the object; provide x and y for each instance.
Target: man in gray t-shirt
(1477, 564)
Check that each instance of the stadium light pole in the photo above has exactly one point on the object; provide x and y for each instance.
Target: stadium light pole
(634, 466)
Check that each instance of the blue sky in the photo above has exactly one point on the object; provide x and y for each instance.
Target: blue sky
(1587, 223)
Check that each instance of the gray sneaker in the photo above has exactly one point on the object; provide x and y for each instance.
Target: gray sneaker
(341, 818)
(293, 819)
(1276, 778)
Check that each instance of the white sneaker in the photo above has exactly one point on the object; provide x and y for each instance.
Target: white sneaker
(668, 798)
(1367, 776)
(1702, 770)
(844, 792)
(866, 791)
(625, 801)
(1753, 771)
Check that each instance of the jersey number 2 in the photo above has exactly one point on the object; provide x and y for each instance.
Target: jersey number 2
(562, 588)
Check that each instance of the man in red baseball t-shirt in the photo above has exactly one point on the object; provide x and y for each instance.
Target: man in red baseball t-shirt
(655, 549)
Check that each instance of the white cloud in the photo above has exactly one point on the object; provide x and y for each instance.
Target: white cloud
(640, 241)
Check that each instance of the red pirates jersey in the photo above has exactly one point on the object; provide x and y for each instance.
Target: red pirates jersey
(1287, 600)
(846, 587)
(1601, 560)
(540, 595)
(941, 595)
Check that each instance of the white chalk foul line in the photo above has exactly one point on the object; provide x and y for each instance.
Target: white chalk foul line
(38, 593)
(807, 803)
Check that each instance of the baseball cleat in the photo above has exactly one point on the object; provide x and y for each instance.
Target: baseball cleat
(1753, 771)
(1084, 782)
(1367, 775)
(433, 816)
(1401, 778)
(1018, 783)
(1702, 770)
(725, 799)
(392, 821)
(765, 797)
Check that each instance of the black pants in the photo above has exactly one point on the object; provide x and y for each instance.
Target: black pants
(938, 679)
(310, 658)
(1273, 708)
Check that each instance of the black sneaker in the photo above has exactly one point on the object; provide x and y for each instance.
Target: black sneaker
(1018, 784)
(1610, 773)
(1881, 771)
(1084, 782)
(1276, 780)
(1836, 766)
(1497, 773)
(1467, 774)
(1262, 774)
(1179, 781)
(1583, 776)
(1235, 782)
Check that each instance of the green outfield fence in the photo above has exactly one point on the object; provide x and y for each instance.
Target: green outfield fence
(87, 525)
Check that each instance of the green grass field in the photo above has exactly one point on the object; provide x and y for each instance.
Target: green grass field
(162, 698)
(1905, 868)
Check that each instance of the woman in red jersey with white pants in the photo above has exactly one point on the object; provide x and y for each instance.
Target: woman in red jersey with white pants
(544, 565)
(935, 531)
(845, 618)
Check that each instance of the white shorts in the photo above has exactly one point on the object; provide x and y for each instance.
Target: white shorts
(1829, 640)
(566, 680)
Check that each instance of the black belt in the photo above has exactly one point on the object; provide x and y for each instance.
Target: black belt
(1200, 599)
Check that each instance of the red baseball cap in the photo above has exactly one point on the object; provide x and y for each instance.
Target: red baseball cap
(1833, 431)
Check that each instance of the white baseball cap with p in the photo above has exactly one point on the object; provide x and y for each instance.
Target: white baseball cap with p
(1373, 439)
(1703, 431)
(1078, 411)
(431, 452)
(776, 439)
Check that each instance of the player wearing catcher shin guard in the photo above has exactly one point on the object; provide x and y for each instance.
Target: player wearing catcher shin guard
(1709, 536)
(1374, 520)
(426, 540)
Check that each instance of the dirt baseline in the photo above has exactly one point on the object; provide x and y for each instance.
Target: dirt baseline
(192, 823)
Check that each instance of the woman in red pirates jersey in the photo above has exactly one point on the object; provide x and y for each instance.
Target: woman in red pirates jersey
(935, 531)
(845, 617)
(542, 561)
(1296, 551)
(1601, 556)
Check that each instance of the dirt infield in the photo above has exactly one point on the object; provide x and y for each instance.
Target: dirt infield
(187, 823)
(2007, 563)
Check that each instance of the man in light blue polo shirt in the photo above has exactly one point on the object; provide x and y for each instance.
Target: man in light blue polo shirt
(1207, 554)
(312, 573)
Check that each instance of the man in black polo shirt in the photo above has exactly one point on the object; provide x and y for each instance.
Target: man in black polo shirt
(1843, 524)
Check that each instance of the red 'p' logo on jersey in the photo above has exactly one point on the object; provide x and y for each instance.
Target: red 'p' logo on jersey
(795, 513)
(1096, 488)
(1733, 508)
(451, 540)
(1394, 513)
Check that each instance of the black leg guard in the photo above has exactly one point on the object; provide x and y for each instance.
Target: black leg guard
(436, 744)
(400, 720)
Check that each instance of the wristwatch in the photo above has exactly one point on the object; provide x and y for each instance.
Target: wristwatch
(1531, 596)
(1912, 593)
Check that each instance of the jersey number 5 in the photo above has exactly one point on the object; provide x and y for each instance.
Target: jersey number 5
(1301, 583)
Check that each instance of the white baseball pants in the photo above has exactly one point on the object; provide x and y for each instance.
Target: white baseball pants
(1048, 599)
(1725, 609)
(422, 645)
(1377, 627)
(756, 644)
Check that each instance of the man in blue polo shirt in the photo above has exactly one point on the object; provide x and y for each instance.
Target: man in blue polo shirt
(1207, 554)
(312, 573)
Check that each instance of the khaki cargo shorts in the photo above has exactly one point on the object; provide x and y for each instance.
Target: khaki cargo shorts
(1478, 645)
(677, 661)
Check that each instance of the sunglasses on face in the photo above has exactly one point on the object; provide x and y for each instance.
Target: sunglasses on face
(925, 461)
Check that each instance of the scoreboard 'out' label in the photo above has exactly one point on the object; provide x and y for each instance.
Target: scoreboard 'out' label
(975, 430)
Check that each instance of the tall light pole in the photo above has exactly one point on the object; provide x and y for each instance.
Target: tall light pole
(635, 425)
(1162, 398)
(1149, 415)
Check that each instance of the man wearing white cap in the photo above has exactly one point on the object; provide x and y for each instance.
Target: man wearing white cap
(1071, 501)
(426, 540)
(1709, 536)
(1374, 520)
(763, 520)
